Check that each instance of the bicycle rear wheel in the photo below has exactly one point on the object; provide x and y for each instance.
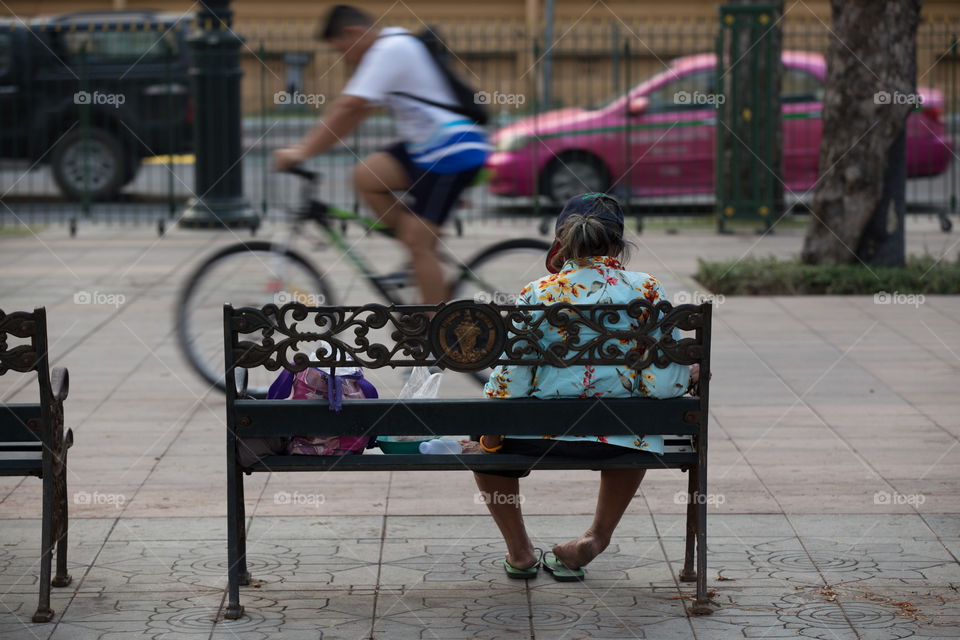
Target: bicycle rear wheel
(251, 274)
(498, 273)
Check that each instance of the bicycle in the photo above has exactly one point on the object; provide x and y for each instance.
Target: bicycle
(257, 273)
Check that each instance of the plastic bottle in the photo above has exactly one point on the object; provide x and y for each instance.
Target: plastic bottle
(440, 446)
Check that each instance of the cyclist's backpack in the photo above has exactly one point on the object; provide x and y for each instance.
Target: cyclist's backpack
(314, 384)
(467, 104)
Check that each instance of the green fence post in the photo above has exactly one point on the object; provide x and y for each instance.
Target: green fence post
(85, 129)
(265, 164)
(536, 121)
(171, 198)
(953, 118)
(628, 137)
(746, 162)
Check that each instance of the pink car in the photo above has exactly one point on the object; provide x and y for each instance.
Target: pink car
(659, 139)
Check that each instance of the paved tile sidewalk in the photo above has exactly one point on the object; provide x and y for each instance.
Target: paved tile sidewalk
(834, 466)
(439, 577)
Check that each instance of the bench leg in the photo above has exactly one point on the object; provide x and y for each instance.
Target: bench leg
(242, 532)
(687, 574)
(234, 526)
(60, 518)
(44, 613)
(702, 606)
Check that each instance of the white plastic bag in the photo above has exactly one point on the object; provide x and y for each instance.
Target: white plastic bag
(421, 384)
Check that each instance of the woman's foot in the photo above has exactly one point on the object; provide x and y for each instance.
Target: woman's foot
(523, 560)
(577, 553)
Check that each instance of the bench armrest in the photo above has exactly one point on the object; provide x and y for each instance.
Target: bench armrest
(60, 383)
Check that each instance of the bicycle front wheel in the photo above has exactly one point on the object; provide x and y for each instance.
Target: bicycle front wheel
(251, 274)
(498, 273)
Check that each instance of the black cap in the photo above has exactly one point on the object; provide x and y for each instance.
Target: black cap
(589, 205)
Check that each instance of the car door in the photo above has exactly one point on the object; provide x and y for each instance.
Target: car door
(136, 74)
(671, 137)
(801, 93)
(14, 98)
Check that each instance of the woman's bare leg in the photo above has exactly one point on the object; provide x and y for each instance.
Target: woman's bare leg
(503, 501)
(617, 488)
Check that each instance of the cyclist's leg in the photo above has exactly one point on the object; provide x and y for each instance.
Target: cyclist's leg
(377, 178)
(435, 195)
(420, 237)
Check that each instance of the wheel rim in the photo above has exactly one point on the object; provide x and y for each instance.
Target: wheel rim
(252, 278)
(572, 177)
(88, 165)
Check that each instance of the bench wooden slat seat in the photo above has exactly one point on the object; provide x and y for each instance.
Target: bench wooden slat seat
(33, 441)
(294, 337)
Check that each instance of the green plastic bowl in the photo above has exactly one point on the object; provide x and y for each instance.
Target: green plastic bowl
(401, 446)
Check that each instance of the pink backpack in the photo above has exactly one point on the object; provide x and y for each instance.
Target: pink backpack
(314, 384)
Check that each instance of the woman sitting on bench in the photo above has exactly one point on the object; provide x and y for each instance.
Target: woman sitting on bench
(585, 268)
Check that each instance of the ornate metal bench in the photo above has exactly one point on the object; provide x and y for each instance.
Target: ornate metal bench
(469, 337)
(32, 440)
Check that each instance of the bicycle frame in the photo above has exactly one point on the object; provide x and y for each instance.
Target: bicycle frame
(323, 214)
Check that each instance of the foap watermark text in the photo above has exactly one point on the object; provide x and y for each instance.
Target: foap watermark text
(496, 297)
(514, 100)
(117, 500)
(281, 298)
(699, 98)
(896, 97)
(99, 297)
(886, 498)
(99, 98)
(315, 100)
(912, 299)
(298, 498)
(496, 497)
(697, 297)
(682, 497)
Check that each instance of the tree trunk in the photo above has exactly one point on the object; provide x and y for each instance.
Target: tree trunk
(870, 90)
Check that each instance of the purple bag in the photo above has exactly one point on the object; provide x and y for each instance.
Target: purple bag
(314, 384)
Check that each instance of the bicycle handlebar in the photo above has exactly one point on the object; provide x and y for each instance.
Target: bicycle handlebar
(304, 173)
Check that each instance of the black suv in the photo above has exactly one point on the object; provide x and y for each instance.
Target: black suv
(93, 93)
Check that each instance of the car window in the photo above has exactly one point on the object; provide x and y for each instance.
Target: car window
(6, 53)
(688, 92)
(800, 86)
(120, 47)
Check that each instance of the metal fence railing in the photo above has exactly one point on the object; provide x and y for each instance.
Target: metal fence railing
(99, 126)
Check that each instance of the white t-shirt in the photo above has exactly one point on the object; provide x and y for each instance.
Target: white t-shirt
(402, 63)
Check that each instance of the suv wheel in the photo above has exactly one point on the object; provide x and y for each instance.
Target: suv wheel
(95, 163)
(572, 174)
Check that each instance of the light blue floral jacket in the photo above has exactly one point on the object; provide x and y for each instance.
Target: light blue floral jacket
(602, 281)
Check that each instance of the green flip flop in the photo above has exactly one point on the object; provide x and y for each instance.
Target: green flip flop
(559, 572)
(524, 574)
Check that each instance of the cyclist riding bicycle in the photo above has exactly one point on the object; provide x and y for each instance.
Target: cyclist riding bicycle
(413, 184)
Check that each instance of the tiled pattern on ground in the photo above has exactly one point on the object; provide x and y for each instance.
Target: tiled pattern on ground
(838, 411)
(395, 577)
